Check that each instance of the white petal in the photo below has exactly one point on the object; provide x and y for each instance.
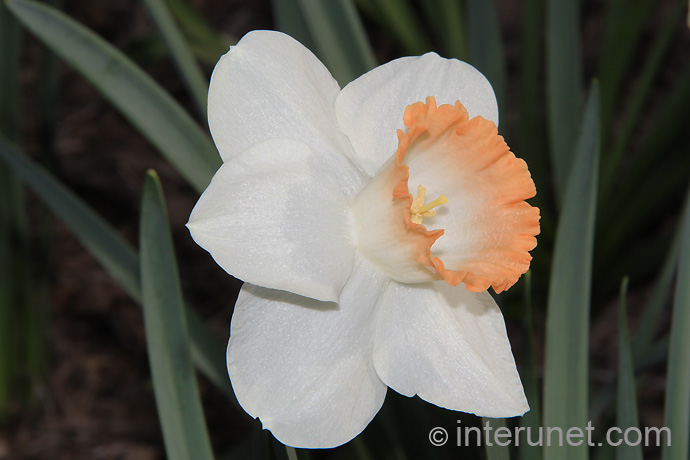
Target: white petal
(370, 109)
(450, 347)
(267, 86)
(305, 368)
(276, 216)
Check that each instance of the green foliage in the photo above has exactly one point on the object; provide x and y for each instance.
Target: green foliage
(180, 52)
(486, 48)
(495, 451)
(112, 251)
(677, 408)
(400, 19)
(563, 85)
(566, 379)
(167, 339)
(532, 419)
(22, 328)
(135, 94)
(449, 26)
(626, 405)
(336, 32)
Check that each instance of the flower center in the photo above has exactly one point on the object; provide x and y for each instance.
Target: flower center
(488, 229)
(418, 209)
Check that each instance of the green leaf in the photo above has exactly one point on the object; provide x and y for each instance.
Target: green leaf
(656, 354)
(669, 125)
(449, 26)
(626, 406)
(291, 453)
(400, 18)
(495, 451)
(12, 215)
(643, 91)
(677, 408)
(361, 450)
(622, 31)
(604, 452)
(29, 261)
(339, 37)
(531, 420)
(642, 207)
(566, 379)
(531, 133)
(289, 18)
(208, 353)
(207, 44)
(49, 99)
(10, 44)
(180, 51)
(114, 253)
(118, 258)
(135, 94)
(486, 49)
(651, 316)
(564, 85)
(167, 339)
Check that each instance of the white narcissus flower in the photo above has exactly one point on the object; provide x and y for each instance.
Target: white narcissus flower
(352, 284)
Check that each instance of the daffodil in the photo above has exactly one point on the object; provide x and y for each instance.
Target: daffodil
(367, 224)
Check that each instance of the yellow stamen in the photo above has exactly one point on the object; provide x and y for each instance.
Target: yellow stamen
(418, 209)
(437, 202)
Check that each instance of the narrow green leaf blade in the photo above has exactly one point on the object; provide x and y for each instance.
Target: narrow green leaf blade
(10, 42)
(340, 39)
(449, 26)
(118, 258)
(180, 52)
(661, 42)
(495, 451)
(651, 316)
(564, 84)
(291, 453)
(531, 420)
(658, 185)
(566, 379)
(135, 94)
(49, 99)
(114, 253)
(626, 407)
(289, 18)
(400, 18)
(669, 124)
(622, 30)
(12, 221)
(208, 45)
(208, 353)
(531, 133)
(677, 410)
(656, 354)
(167, 339)
(486, 48)
(649, 183)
